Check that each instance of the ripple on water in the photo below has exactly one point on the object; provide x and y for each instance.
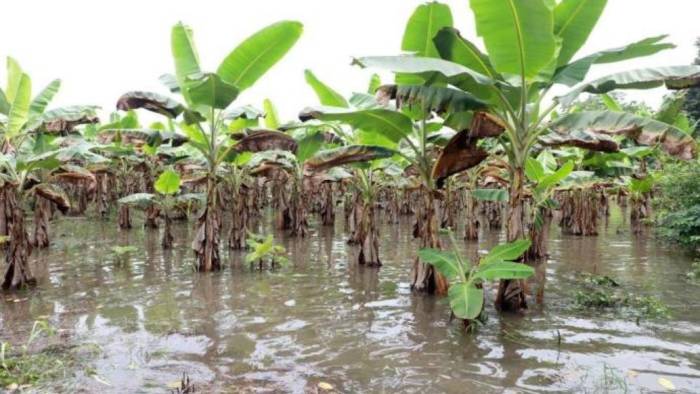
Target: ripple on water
(323, 318)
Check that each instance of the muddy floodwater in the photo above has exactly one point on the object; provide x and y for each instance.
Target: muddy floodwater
(324, 319)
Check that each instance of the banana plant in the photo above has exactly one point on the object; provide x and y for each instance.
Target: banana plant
(466, 293)
(202, 116)
(530, 47)
(361, 218)
(488, 172)
(404, 121)
(639, 191)
(304, 164)
(543, 182)
(26, 115)
(32, 167)
(166, 199)
(137, 155)
(263, 249)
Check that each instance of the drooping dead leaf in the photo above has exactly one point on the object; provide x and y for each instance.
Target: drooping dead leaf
(441, 100)
(54, 194)
(150, 101)
(346, 155)
(73, 174)
(67, 125)
(485, 125)
(460, 154)
(582, 139)
(264, 140)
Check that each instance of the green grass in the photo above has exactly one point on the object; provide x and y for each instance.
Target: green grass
(603, 292)
(23, 367)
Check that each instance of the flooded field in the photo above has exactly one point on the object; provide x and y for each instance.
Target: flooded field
(324, 319)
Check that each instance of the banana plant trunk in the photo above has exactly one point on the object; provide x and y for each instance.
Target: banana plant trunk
(539, 235)
(511, 293)
(102, 194)
(206, 241)
(327, 204)
(124, 213)
(621, 199)
(280, 201)
(424, 276)
(124, 217)
(152, 215)
(493, 212)
(298, 208)
(392, 207)
(406, 197)
(579, 212)
(82, 197)
(369, 245)
(471, 229)
(640, 210)
(5, 210)
(42, 214)
(448, 208)
(167, 241)
(17, 271)
(239, 222)
(354, 220)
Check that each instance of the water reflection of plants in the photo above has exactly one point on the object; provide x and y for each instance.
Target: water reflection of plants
(460, 130)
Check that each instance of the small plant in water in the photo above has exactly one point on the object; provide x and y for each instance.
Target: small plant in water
(167, 200)
(121, 253)
(602, 292)
(466, 293)
(612, 381)
(24, 368)
(694, 273)
(186, 386)
(264, 250)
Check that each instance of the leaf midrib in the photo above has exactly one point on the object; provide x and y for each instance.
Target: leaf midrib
(430, 28)
(519, 36)
(391, 124)
(575, 14)
(478, 58)
(255, 60)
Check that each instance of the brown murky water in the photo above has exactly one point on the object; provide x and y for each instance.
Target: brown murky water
(323, 319)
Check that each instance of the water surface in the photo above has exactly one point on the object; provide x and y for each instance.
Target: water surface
(324, 319)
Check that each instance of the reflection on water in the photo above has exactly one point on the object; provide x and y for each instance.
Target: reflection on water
(322, 318)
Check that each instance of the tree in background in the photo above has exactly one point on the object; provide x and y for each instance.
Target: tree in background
(692, 99)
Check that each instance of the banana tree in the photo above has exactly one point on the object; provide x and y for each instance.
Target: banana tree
(206, 96)
(543, 181)
(636, 161)
(480, 189)
(31, 167)
(166, 199)
(137, 156)
(304, 164)
(529, 49)
(406, 128)
(365, 186)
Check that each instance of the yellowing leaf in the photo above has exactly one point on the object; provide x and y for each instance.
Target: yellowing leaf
(325, 386)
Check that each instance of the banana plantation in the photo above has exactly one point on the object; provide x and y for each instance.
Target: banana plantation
(487, 214)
